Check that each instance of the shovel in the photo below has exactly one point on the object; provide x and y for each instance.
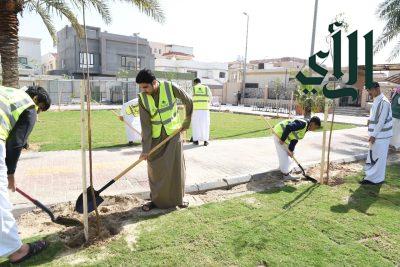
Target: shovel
(307, 177)
(59, 220)
(98, 199)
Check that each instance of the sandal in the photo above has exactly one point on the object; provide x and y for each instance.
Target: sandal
(148, 206)
(184, 205)
(34, 249)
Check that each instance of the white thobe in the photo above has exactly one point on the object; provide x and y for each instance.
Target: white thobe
(395, 141)
(285, 162)
(130, 114)
(9, 238)
(201, 123)
(380, 127)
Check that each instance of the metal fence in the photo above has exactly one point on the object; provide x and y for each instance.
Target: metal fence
(271, 105)
(66, 92)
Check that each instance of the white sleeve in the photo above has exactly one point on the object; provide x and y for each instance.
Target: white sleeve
(383, 113)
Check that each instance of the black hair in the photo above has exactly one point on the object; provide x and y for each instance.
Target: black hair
(316, 121)
(374, 86)
(197, 80)
(145, 76)
(41, 94)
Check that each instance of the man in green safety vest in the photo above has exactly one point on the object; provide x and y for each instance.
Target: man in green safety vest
(159, 118)
(18, 112)
(290, 132)
(201, 112)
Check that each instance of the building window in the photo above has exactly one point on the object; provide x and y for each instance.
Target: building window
(128, 63)
(193, 72)
(23, 60)
(260, 66)
(251, 85)
(222, 75)
(83, 58)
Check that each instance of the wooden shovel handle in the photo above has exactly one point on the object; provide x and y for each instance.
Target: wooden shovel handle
(284, 145)
(127, 124)
(151, 152)
(116, 114)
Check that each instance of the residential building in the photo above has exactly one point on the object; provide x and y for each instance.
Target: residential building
(107, 53)
(49, 62)
(29, 56)
(171, 51)
(203, 70)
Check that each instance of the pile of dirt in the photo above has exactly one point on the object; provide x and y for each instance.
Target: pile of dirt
(113, 212)
(337, 172)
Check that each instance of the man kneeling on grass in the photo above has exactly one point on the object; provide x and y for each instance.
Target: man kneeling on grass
(18, 113)
(290, 132)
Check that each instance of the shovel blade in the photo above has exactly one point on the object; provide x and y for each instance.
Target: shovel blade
(90, 201)
(309, 178)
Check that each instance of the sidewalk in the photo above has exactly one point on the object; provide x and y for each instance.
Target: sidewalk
(54, 177)
(359, 121)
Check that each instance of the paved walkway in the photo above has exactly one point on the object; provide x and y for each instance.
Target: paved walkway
(54, 177)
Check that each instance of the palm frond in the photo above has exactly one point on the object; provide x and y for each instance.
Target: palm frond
(151, 8)
(101, 6)
(46, 18)
(61, 8)
(389, 11)
(383, 40)
(395, 52)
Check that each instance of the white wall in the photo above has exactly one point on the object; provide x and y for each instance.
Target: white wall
(179, 48)
(209, 70)
(30, 48)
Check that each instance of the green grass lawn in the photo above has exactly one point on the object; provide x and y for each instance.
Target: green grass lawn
(61, 130)
(310, 225)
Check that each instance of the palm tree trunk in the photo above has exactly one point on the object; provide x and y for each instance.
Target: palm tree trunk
(9, 26)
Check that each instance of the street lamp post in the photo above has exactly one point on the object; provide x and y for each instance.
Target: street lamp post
(245, 55)
(137, 49)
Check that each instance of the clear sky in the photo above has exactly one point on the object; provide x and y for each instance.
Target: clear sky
(216, 28)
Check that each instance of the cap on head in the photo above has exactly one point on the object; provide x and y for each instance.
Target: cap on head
(196, 81)
(375, 85)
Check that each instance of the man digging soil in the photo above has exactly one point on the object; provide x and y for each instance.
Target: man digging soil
(18, 110)
(159, 119)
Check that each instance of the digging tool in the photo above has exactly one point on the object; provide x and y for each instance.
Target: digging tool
(59, 220)
(308, 178)
(373, 162)
(98, 199)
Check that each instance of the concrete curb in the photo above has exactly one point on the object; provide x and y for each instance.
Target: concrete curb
(225, 183)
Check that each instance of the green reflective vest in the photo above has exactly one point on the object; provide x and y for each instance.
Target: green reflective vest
(12, 103)
(396, 107)
(166, 114)
(201, 97)
(296, 135)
